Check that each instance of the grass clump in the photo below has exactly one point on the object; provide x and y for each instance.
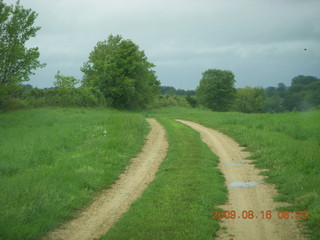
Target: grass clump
(178, 204)
(53, 160)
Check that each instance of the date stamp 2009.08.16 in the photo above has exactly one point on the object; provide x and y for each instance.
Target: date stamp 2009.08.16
(250, 214)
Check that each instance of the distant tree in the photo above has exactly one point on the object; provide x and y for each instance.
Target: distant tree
(275, 98)
(303, 94)
(270, 91)
(216, 89)
(182, 92)
(166, 90)
(171, 91)
(281, 91)
(249, 100)
(192, 101)
(122, 72)
(17, 61)
(27, 87)
(304, 80)
(64, 82)
(191, 92)
(274, 104)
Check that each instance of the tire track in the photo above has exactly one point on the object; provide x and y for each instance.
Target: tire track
(107, 209)
(257, 198)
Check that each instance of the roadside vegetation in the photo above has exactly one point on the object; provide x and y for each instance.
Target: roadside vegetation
(287, 144)
(53, 160)
(178, 204)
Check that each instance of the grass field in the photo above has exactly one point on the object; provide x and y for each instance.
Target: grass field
(53, 160)
(178, 204)
(287, 144)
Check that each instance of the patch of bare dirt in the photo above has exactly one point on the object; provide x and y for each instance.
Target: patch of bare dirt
(100, 216)
(256, 198)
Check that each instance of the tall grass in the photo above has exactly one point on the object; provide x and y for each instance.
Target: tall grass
(53, 160)
(178, 204)
(287, 144)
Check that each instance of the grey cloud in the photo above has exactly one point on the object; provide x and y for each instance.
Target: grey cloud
(262, 42)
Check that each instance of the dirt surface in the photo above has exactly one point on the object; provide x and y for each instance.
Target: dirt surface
(256, 198)
(99, 217)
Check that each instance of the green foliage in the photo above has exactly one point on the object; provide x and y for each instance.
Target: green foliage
(17, 61)
(64, 82)
(166, 90)
(8, 95)
(178, 204)
(303, 94)
(53, 161)
(122, 72)
(192, 101)
(166, 100)
(27, 87)
(65, 97)
(274, 98)
(216, 89)
(249, 100)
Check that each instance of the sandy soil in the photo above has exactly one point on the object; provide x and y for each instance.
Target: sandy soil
(99, 217)
(257, 198)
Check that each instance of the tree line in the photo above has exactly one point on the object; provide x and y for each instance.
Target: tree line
(302, 95)
(216, 91)
(118, 74)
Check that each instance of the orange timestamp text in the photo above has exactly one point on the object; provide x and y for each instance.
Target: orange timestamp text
(268, 214)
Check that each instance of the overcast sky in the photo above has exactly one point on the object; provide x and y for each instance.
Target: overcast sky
(261, 42)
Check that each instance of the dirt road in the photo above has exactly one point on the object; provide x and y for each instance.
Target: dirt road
(244, 195)
(98, 218)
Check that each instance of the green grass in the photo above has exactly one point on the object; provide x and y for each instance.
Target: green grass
(178, 204)
(287, 144)
(53, 160)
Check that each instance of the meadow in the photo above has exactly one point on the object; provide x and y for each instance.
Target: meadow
(53, 161)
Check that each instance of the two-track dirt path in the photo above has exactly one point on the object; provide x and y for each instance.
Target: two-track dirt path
(99, 217)
(257, 198)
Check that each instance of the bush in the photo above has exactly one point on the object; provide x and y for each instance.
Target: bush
(71, 97)
(192, 101)
(8, 95)
(166, 100)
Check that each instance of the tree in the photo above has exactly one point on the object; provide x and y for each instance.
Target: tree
(303, 94)
(216, 89)
(249, 100)
(65, 82)
(167, 90)
(275, 98)
(17, 61)
(171, 91)
(122, 72)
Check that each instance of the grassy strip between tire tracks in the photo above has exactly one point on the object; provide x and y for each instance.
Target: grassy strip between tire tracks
(287, 144)
(178, 204)
(52, 161)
